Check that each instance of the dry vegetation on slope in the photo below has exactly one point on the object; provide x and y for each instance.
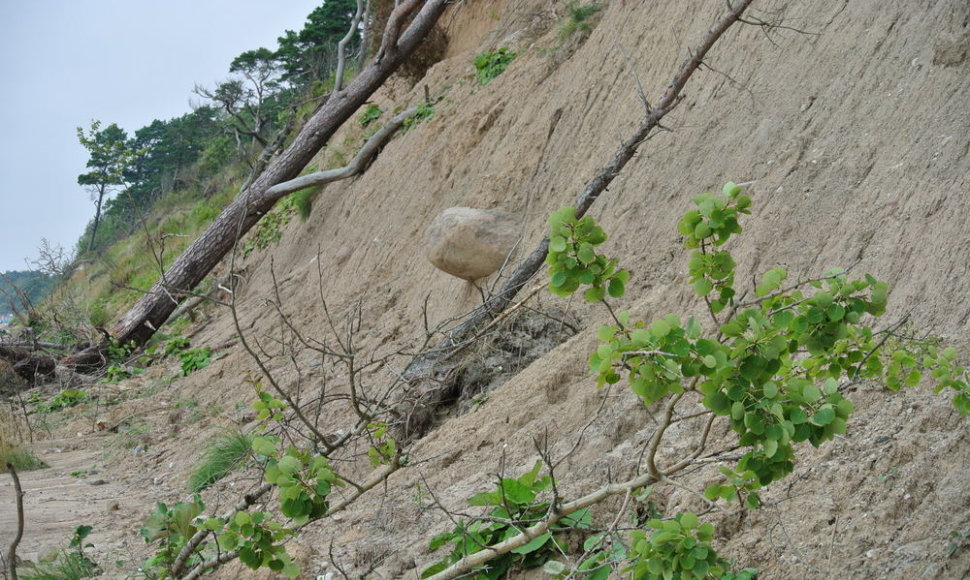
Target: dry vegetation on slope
(851, 122)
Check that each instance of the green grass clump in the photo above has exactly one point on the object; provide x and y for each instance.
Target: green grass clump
(579, 18)
(229, 451)
(67, 566)
(303, 201)
(21, 459)
(70, 564)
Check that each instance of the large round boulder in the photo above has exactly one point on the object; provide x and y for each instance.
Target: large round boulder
(471, 243)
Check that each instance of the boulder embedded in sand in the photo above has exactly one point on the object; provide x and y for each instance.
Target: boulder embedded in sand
(471, 243)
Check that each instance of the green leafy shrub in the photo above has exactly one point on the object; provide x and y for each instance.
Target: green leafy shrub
(119, 352)
(117, 373)
(773, 365)
(303, 480)
(573, 260)
(370, 114)
(171, 527)
(175, 345)
(491, 64)
(218, 153)
(269, 229)
(681, 548)
(425, 111)
(515, 503)
(227, 452)
(194, 359)
(64, 399)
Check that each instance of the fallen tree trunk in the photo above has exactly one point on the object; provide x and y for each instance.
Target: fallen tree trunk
(29, 364)
(154, 308)
(434, 378)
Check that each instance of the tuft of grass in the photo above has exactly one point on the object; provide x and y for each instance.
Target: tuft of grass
(21, 459)
(67, 566)
(228, 452)
(303, 201)
(70, 564)
(580, 17)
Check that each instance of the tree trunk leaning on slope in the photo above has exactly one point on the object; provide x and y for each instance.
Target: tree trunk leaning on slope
(154, 308)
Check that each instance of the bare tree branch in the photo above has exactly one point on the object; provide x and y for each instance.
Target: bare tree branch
(338, 80)
(356, 165)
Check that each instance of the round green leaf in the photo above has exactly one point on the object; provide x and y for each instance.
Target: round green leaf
(824, 416)
(616, 288)
(688, 520)
(660, 328)
(594, 294)
(289, 465)
(703, 287)
(557, 244)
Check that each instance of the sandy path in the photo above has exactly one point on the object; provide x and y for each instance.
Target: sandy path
(55, 502)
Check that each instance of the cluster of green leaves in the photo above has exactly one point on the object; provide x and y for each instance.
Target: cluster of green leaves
(514, 504)
(425, 111)
(269, 229)
(63, 400)
(679, 548)
(266, 405)
(70, 564)
(383, 448)
(118, 372)
(489, 65)
(304, 479)
(909, 360)
(713, 222)
(175, 345)
(370, 114)
(117, 351)
(194, 359)
(258, 540)
(775, 364)
(191, 359)
(171, 527)
(573, 259)
(602, 553)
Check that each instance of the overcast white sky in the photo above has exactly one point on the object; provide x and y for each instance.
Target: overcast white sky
(66, 62)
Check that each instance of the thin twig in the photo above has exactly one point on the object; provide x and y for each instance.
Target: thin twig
(19, 493)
